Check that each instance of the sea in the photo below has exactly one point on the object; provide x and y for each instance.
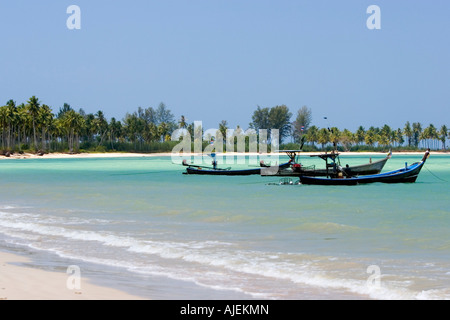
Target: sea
(140, 225)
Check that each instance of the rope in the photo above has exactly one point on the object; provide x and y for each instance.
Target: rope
(138, 173)
(435, 175)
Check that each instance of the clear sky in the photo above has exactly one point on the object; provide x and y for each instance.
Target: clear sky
(214, 60)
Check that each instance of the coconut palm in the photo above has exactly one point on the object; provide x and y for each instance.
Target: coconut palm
(3, 124)
(33, 111)
(443, 134)
(182, 123)
(323, 137)
(399, 137)
(22, 124)
(101, 126)
(347, 138)
(223, 127)
(312, 135)
(163, 130)
(407, 131)
(45, 117)
(371, 137)
(115, 131)
(384, 137)
(335, 136)
(433, 135)
(416, 133)
(360, 135)
(11, 121)
(73, 123)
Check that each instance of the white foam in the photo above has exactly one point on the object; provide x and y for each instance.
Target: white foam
(291, 267)
(5, 207)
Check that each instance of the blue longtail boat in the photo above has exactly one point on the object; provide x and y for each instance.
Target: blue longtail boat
(408, 174)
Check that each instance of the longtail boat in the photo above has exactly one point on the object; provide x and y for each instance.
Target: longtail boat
(214, 170)
(332, 167)
(408, 174)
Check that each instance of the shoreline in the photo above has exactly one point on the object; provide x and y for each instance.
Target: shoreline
(21, 282)
(168, 154)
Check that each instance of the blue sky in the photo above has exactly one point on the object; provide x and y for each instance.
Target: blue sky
(214, 60)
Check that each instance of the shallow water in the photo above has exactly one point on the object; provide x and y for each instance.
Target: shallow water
(140, 224)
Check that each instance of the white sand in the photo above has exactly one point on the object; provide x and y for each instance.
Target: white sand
(82, 155)
(25, 283)
(168, 154)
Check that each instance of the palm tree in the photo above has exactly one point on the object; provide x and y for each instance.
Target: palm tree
(115, 130)
(416, 132)
(197, 134)
(399, 138)
(22, 123)
(11, 120)
(3, 121)
(45, 119)
(407, 131)
(429, 134)
(323, 137)
(182, 123)
(163, 130)
(371, 136)
(384, 136)
(33, 111)
(432, 135)
(7, 117)
(347, 138)
(89, 128)
(443, 134)
(223, 127)
(425, 135)
(312, 135)
(100, 125)
(79, 127)
(68, 123)
(335, 136)
(154, 129)
(73, 124)
(360, 135)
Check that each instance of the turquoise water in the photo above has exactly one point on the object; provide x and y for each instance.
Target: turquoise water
(144, 226)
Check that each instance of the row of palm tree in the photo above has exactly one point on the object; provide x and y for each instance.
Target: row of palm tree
(34, 126)
(412, 136)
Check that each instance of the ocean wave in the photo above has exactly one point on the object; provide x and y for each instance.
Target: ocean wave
(188, 260)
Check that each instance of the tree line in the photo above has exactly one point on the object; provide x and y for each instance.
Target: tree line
(34, 127)
(411, 137)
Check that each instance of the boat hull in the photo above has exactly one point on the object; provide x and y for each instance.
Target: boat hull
(219, 172)
(405, 175)
(229, 172)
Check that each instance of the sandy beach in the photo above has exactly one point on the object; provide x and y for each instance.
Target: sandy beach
(168, 154)
(19, 282)
(83, 155)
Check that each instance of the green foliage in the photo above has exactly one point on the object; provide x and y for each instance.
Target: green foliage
(33, 127)
(277, 117)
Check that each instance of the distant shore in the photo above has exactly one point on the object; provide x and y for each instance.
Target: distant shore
(168, 154)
